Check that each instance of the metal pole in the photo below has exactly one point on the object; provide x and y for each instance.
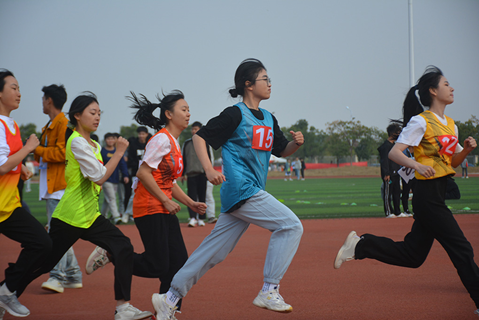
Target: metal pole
(411, 47)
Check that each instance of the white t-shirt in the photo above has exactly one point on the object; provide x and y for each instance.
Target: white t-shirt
(415, 129)
(4, 147)
(90, 167)
(158, 147)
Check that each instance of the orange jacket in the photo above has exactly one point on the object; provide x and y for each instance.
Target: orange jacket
(53, 153)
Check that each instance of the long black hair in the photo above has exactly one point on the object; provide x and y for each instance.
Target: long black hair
(81, 103)
(144, 115)
(412, 107)
(247, 71)
(3, 74)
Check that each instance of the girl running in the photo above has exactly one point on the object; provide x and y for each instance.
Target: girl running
(248, 135)
(436, 150)
(77, 216)
(154, 210)
(15, 222)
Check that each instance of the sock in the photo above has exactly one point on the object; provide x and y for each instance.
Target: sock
(172, 299)
(269, 287)
(4, 290)
(122, 307)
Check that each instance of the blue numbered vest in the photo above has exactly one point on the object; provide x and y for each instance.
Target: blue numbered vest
(246, 157)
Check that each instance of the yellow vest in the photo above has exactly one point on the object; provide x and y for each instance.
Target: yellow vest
(79, 205)
(437, 146)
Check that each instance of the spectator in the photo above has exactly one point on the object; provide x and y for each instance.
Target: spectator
(464, 166)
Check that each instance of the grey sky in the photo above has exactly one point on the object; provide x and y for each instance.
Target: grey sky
(321, 55)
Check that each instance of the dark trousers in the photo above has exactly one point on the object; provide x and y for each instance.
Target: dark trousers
(22, 227)
(165, 251)
(101, 233)
(432, 220)
(392, 191)
(197, 191)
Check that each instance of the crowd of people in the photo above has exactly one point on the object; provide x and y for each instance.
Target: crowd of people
(143, 173)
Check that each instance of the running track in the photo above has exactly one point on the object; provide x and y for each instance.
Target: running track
(359, 290)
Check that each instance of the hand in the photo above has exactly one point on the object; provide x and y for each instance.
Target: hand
(172, 207)
(126, 180)
(25, 173)
(297, 137)
(470, 144)
(32, 142)
(387, 178)
(425, 171)
(198, 207)
(121, 145)
(215, 177)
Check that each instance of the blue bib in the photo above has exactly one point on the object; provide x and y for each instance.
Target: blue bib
(246, 157)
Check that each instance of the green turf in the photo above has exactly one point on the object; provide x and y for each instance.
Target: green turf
(319, 198)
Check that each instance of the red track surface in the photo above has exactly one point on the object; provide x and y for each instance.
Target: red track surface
(364, 289)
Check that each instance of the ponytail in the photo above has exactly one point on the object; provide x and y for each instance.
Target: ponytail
(412, 106)
(144, 115)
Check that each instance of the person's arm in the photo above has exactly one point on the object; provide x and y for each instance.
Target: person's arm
(124, 170)
(145, 174)
(294, 145)
(469, 145)
(121, 146)
(178, 194)
(396, 154)
(55, 153)
(17, 158)
(212, 175)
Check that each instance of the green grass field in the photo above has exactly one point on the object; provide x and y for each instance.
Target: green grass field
(319, 198)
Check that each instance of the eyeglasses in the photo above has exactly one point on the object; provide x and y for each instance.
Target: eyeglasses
(268, 80)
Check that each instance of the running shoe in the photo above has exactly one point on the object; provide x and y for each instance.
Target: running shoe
(163, 310)
(201, 223)
(272, 300)
(212, 220)
(192, 223)
(97, 259)
(72, 285)
(10, 303)
(53, 284)
(132, 313)
(346, 253)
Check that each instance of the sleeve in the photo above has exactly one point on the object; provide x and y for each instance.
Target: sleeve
(220, 128)
(123, 167)
(4, 148)
(156, 149)
(414, 131)
(280, 142)
(90, 167)
(56, 153)
(183, 150)
(459, 147)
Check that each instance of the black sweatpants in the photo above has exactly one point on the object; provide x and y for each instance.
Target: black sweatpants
(406, 187)
(22, 227)
(165, 251)
(432, 220)
(392, 191)
(197, 191)
(101, 233)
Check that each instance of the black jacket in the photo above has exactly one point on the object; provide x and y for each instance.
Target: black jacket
(388, 167)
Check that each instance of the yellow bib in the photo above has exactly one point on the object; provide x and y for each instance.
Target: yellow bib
(437, 146)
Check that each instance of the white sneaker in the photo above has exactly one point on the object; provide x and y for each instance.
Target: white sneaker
(132, 313)
(391, 216)
(346, 253)
(201, 223)
(272, 300)
(10, 303)
(192, 223)
(53, 284)
(124, 218)
(212, 220)
(97, 259)
(72, 285)
(163, 310)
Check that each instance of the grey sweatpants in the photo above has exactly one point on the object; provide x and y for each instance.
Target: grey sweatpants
(263, 210)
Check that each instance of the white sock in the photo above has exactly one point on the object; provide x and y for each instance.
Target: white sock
(4, 290)
(122, 307)
(172, 299)
(267, 287)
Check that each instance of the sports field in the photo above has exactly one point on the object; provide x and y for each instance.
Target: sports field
(339, 197)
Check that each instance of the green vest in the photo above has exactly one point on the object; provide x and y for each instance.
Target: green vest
(79, 205)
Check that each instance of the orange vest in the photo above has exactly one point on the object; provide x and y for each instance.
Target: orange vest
(9, 195)
(170, 168)
(437, 146)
